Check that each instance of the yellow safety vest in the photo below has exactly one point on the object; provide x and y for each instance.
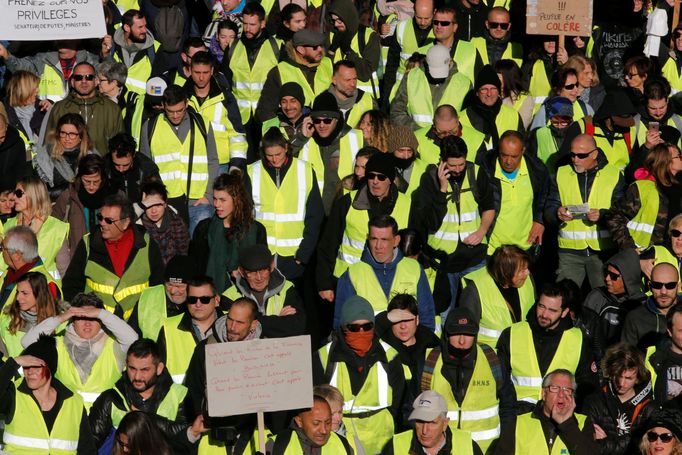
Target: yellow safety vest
(103, 374)
(673, 76)
(420, 104)
(282, 210)
(151, 311)
(364, 104)
(370, 85)
(365, 283)
(140, 71)
(514, 51)
(356, 230)
(507, 119)
(168, 407)
(641, 129)
(479, 412)
(27, 433)
(531, 439)
(52, 84)
(430, 152)
(273, 305)
(461, 442)
(459, 222)
(418, 168)
(334, 445)
(322, 80)
(375, 397)
(539, 88)
(547, 146)
(617, 153)
(172, 157)
(136, 119)
(348, 148)
(495, 316)
(180, 346)
(248, 81)
(642, 225)
(525, 371)
(583, 234)
(125, 5)
(121, 292)
(407, 40)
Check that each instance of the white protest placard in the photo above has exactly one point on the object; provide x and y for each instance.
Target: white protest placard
(266, 375)
(32, 20)
(559, 17)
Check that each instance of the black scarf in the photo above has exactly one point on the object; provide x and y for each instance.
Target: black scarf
(488, 115)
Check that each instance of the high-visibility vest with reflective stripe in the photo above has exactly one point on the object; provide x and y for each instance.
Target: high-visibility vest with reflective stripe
(513, 51)
(364, 104)
(27, 433)
(547, 145)
(495, 315)
(673, 76)
(530, 438)
(430, 152)
(375, 396)
(370, 85)
(642, 225)
(125, 5)
(479, 412)
(103, 374)
(651, 350)
(348, 148)
(180, 346)
(248, 81)
(151, 311)
(229, 143)
(507, 119)
(540, 87)
(583, 234)
(168, 407)
(282, 210)
(322, 80)
(617, 153)
(136, 120)
(334, 445)
(139, 72)
(418, 168)
(172, 158)
(114, 291)
(420, 105)
(51, 237)
(525, 371)
(364, 281)
(461, 442)
(273, 306)
(407, 40)
(52, 84)
(355, 232)
(458, 222)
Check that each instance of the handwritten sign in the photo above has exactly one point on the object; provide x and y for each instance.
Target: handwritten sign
(31, 20)
(259, 376)
(559, 17)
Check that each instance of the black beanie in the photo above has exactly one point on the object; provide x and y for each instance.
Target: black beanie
(486, 76)
(179, 269)
(381, 163)
(292, 89)
(45, 349)
(325, 105)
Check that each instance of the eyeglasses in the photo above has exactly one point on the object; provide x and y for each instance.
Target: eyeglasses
(660, 285)
(613, 275)
(366, 327)
(122, 445)
(570, 86)
(326, 121)
(441, 23)
(652, 436)
(631, 75)
(675, 233)
(376, 175)
(68, 134)
(18, 193)
(556, 389)
(502, 25)
(205, 299)
(80, 77)
(312, 46)
(581, 156)
(106, 219)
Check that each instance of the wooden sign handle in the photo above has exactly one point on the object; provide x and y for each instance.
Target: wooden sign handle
(261, 431)
(676, 19)
(562, 40)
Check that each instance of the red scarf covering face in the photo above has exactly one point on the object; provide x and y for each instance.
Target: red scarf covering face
(359, 342)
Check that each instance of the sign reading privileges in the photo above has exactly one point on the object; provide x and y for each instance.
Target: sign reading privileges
(559, 17)
(266, 375)
(31, 20)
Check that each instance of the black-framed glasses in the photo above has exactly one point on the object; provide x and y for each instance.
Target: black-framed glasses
(326, 121)
(502, 25)
(122, 445)
(660, 285)
(613, 275)
(312, 46)
(68, 134)
(19, 193)
(80, 77)
(376, 175)
(204, 299)
(675, 233)
(570, 86)
(106, 219)
(441, 23)
(652, 436)
(631, 75)
(366, 327)
(582, 156)
(556, 389)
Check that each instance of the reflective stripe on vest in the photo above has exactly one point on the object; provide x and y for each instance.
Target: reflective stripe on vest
(525, 371)
(282, 209)
(348, 147)
(530, 438)
(248, 80)
(420, 104)
(430, 152)
(180, 346)
(52, 84)
(272, 306)
(642, 225)
(583, 234)
(407, 41)
(322, 80)
(229, 143)
(363, 278)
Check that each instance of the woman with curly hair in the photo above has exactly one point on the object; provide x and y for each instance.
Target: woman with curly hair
(376, 127)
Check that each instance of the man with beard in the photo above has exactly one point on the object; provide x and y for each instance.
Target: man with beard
(544, 342)
(144, 386)
(453, 190)
(553, 425)
(352, 101)
(495, 43)
(293, 117)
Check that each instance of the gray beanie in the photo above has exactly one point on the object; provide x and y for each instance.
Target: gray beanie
(356, 308)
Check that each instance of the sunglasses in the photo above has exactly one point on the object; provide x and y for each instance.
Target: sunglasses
(613, 275)
(570, 86)
(326, 121)
(312, 46)
(19, 193)
(366, 327)
(106, 219)
(502, 25)
(80, 77)
(205, 299)
(652, 436)
(675, 233)
(677, 35)
(441, 23)
(660, 285)
(581, 156)
(375, 175)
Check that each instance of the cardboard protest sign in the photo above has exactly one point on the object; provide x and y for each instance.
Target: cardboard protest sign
(559, 17)
(267, 375)
(32, 20)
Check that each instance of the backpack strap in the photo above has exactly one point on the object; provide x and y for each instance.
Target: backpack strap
(151, 53)
(151, 126)
(275, 46)
(471, 175)
(494, 362)
(429, 366)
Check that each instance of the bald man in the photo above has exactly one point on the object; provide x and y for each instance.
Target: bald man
(580, 194)
(520, 186)
(645, 326)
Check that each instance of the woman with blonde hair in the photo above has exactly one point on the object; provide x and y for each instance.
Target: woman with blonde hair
(24, 111)
(662, 434)
(56, 163)
(34, 210)
(590, 90)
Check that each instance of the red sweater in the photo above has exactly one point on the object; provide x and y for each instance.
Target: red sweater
(119, 251)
